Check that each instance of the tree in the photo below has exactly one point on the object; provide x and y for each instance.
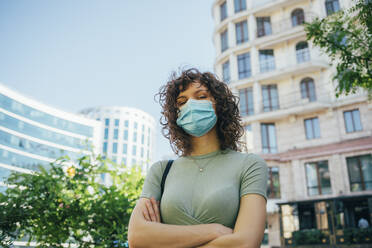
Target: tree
(346, 37)
(70, 204)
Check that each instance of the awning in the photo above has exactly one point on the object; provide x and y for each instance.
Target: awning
(341, 197)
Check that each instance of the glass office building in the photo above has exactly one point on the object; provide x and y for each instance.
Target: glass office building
(33, 134)
(128, 134)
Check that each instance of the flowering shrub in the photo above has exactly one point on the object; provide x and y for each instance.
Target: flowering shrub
(70, 205)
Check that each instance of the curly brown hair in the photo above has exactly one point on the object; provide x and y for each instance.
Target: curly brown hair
(229, 127)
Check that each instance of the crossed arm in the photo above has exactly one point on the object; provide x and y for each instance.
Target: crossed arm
(145, 229)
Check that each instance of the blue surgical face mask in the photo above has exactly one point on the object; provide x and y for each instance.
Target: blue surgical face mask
(197, 117)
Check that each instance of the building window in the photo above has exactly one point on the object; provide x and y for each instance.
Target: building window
(267, 60)
(142, 152)
(360, 172)
(244, 65)
(268, 138)
(312, 128)
(226, 72)
(126, 123)
(273, 185)
(116, 133)
(105, 147)
(318, 178)
(116, 122)
(107, 121)
(224, 41)
(135, 125)
(240, 5)
(249, 136)
(125, 148)
(302, 52)
(134, 150)
(246, 101)
(352, 121)
(223, 11)
(263, 26)
(135, 137)
(298, 17)
(265, 239)
(106, 133)
(142, 139)
(308, 89)
(114, 147)
(125, 135)
(241, 30)
(270, 98)
(332, 6)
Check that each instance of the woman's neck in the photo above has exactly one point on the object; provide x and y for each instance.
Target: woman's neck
(205, 144)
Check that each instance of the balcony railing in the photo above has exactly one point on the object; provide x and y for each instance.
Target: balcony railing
(267, 65)
(303, 55)
(293, 100)
(286, 24)
(256, 4)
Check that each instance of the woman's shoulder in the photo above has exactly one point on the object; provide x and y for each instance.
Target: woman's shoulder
(159, 166)
(243, 155)
(247, 159)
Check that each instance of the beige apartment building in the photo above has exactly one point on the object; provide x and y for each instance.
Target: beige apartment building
(318, 147)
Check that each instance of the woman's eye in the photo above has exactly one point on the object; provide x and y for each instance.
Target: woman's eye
(202, 96)
(180, 103)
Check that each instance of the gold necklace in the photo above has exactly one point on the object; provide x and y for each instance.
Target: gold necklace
(201, 169)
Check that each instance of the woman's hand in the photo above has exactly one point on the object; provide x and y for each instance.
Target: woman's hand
(151, 212)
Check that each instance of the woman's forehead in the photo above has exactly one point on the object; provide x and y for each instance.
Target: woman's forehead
(193, 86)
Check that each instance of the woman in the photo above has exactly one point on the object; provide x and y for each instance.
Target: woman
(214, 196)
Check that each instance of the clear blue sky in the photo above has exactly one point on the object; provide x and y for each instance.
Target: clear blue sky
(76, 54)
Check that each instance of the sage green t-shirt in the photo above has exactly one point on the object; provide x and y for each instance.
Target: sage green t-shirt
(192, 196)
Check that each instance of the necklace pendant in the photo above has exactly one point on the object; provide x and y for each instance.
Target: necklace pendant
(201, 170)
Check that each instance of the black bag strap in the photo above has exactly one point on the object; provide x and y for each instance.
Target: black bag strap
(165, 174)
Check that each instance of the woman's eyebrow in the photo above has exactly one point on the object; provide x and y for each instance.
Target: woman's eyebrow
(196, 92)
(181, 97)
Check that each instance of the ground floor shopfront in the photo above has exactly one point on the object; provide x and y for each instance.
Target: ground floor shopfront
(327, 221)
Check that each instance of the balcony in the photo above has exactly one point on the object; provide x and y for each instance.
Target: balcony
(267, 6)
(289, 106)
(280, 31)
(302, 55)
(269, 70)
(267, 65)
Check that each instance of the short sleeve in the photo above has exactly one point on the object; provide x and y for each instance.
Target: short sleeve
(151, 186)
(254, 176)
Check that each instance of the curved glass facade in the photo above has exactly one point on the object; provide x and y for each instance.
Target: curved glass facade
(21, 161)
(32, 136)
(33, 147)
(28, 112)
(40, 133)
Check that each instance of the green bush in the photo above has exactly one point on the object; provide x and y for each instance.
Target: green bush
(69, 204)
(308, 237)
(358, 235)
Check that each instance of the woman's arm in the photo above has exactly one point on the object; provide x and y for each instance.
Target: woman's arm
(144, 233)
(249, 226)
